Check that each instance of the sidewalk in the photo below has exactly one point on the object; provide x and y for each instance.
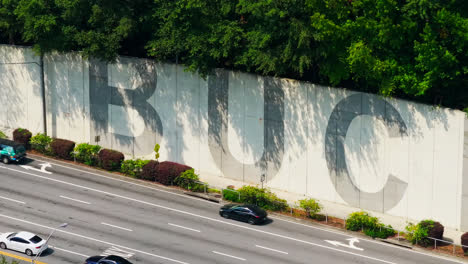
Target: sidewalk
(337, 210)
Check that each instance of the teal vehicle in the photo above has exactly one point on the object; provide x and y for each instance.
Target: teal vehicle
(11, 151)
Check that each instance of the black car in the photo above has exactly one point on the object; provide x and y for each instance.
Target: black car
(249, 213)
(111, 259)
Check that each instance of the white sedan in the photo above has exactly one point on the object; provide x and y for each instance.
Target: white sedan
(26, 242)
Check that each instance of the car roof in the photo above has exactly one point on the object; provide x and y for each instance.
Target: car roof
(117, 258)
(11, 143)
(25, 235)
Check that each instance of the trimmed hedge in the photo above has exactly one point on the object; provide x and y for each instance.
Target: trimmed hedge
(110, 159)
(168, 171)
(41, 143)
(370, 225)
(132, 167)
(190, 181)
(149, 171)
(62, 148)
(22, 135)
(261, 197)
(436, 231)
(86, 153)
(464, 242)
(420, 233)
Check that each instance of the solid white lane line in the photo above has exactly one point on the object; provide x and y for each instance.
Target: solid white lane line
(68, 251)
(191, 229)
(129, 182)
(13, 200)
(102, 223)
(219, 253)
(92, 239)
(215, 220)
(275, 250)
(76, 200)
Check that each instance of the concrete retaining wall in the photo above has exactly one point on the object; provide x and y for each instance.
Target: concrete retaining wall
(385, 155)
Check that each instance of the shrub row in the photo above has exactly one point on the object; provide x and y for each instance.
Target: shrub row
(165, 172)
(92, 155)
(258, 196)
(169, 173)
(370, 225)
(422, 232)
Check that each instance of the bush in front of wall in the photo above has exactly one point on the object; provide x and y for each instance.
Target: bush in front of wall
(311, 206)
(133, 168)
(149, 171)
(62, 148)
(434, 229)
(22, 135)
(464, 242)
(41, 143)
(190, 181)
(231, 195)
(262, 197)
(86, 153)
(168, 171)
(2, 135)
(110, 159)
(370, 225)
(420, 233)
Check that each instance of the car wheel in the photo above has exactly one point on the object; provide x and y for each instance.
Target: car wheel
(29, 252)
(2, 245)
(5, 160)
(225, 215)
(251, 221)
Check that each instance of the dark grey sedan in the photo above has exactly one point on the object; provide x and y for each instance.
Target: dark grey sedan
(249, 213)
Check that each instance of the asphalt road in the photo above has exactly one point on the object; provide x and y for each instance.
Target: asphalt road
(152, 224)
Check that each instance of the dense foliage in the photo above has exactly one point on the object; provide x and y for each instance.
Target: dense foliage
(190, 181)
(133, 168)
(149, 171)
(86, 153)
(41, 142)
(422, 233)
(2, 135)
(110, 159)
(168, 171)
(22, 135)
(370, 225)
(412, 49)
(464, 242)
(311, 206)
(262, 197)
(62, 148)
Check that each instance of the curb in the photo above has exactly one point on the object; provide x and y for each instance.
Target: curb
(395, 242)
(204, 196)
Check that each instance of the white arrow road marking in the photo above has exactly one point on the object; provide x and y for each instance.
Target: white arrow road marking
(350, 245)
(43, 167)
(223, 254)
(12, 200)
(119, 252)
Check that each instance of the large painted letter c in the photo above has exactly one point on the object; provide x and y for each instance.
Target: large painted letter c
(340, 119)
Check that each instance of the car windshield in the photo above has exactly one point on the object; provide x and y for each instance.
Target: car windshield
(11, 235)
(36, 239)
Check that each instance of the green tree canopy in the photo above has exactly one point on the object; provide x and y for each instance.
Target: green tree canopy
(410, 49)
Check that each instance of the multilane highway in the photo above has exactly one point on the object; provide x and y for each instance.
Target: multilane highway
(108, 214)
